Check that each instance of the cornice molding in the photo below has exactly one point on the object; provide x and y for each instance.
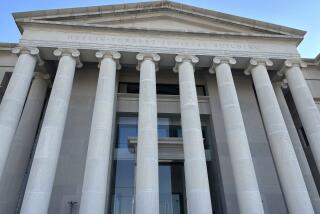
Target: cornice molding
(147, 6)
(60, 24)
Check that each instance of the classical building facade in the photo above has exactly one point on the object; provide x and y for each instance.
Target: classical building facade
(157, 107)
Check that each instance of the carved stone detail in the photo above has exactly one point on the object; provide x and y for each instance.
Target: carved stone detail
(219, 60)
(109, 54)
(152, 56)
(182, 58)
(289, 63)
(41, 75)
(257, 61)
(33, 51)
(69, 52)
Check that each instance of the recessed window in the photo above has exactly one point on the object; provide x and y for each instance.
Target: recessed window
(127, 127)
(4, 83)
(303, 136)
(167, 89)
(171, 175)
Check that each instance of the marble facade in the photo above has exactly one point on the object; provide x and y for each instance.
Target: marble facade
(58, 112)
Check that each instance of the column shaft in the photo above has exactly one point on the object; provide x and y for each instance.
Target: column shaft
(196, 176)
(42, 173)
(307, 109)
(22, 144)
(95, 187)
(289, 172)
(13, 101)
(303, 162)
(248, 194)
(147, 181)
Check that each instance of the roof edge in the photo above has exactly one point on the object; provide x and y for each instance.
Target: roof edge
(155, 4)
(7, 46)
(312, 61)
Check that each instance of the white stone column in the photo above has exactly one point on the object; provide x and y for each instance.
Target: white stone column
(147, 178)
(306, 107)
(95, 186)
(247, 190)
(42, 173)
(285, 159)
(22, 143)
(302, 159)
(14, 98)
(196, 175)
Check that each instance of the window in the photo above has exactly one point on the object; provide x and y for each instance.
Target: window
(4, 83)
(303, 136)
(168, 89)
(172, 196)
(127, 127)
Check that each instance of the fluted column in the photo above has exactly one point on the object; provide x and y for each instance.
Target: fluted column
(285, 159)
(42, 173)
(248, 194)
(147, 180)
(14, 98)
(196, 175)
(306, 107)
(95, 187)
(22, 143)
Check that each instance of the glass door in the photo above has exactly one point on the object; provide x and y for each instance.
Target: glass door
(172, 195)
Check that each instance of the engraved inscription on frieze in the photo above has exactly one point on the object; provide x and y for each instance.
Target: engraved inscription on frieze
(161, 42)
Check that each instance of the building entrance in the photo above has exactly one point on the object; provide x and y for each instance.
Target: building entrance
(172, 188)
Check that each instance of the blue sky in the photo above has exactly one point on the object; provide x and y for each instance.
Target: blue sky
(304, 15)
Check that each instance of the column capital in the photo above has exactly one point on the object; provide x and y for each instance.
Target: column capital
(45, 76)
(41, 75)
(151, 56)
(289, 63)
(109, 54)
(184, 58)
(221, 60)
(282, 84)
(33, 51)
(257, 61)
(74, 53)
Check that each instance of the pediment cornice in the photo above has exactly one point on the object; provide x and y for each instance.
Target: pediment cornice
(100, 17)
(191, 32)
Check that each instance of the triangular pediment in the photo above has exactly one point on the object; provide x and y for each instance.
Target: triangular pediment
(157, 16)
(168, 20)
(166, 23)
